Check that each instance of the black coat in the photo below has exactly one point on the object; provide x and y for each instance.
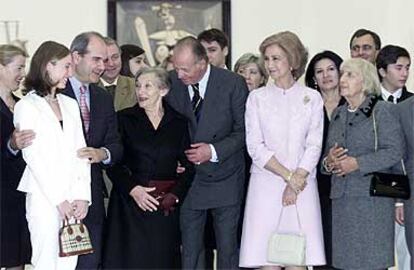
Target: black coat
(14, 240)
(138, 239)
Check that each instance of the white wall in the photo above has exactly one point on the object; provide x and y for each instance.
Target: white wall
(58, 20)
(321, 24)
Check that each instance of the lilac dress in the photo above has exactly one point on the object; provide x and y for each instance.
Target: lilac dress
(287, 124)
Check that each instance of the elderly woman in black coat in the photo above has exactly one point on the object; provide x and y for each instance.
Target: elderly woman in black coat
(143, 229)
(362, 225)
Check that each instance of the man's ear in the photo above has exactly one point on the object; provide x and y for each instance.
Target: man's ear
(226, 51)
(382, 72)
(75, 57)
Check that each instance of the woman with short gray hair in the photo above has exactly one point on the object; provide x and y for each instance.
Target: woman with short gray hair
(143, 211)
(362, 225)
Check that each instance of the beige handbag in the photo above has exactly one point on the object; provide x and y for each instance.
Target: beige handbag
(287, 249)
(74, 239)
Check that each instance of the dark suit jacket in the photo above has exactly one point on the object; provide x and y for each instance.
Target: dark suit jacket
(222, 124)
(404, 95)
(103, 132)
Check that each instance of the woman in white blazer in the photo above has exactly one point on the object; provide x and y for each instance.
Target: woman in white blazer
(57, 182)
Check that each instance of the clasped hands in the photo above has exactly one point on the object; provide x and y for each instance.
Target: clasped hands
(77, 209)
(296, 182)
(338, 162)
(142, 196)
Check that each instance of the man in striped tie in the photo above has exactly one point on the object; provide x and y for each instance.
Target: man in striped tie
(213, 99)
(100, 129)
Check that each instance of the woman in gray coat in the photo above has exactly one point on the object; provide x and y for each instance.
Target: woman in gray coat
(362, 226)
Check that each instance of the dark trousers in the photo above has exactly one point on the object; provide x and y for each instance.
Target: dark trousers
(225, 222)
(92, 261)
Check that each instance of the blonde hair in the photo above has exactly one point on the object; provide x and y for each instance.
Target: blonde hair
(371, 83)
(8, 52)
(297, 54)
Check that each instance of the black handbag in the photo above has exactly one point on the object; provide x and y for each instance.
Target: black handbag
(387, 184)
(390, 185)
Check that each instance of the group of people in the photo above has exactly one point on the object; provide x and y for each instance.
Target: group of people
(203, 158)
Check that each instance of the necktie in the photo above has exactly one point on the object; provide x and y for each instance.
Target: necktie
(84, 109)
(197, 101)
(111, 89)
(391, 99)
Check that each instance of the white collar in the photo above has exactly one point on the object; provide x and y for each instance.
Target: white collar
(105, 83)
(386, 94)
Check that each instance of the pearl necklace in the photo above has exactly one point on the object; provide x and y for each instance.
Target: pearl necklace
(51, 99)
(350, 109)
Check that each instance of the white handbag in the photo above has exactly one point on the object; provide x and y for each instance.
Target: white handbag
(287, 249)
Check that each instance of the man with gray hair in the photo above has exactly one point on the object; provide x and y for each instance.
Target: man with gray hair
(213, 99)
(100, 129)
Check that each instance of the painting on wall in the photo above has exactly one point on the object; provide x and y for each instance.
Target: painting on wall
(157, 25)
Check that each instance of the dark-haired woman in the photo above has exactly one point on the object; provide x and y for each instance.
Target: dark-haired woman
(322, 74)
(56, 181)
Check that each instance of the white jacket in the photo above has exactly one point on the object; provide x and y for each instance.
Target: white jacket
(53, 167)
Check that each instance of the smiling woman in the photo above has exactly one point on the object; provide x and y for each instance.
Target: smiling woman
(56, 181)
(14, 239)
(147, 191)
(284, 139)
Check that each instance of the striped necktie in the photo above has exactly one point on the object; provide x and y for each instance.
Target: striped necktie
(84, 108)
(197, 101)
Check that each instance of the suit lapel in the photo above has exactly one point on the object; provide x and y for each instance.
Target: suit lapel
(93, 109)
(182, 99)
(209, 103)
(70, 93)
(5, 111)
(404, 95)
(121, 93)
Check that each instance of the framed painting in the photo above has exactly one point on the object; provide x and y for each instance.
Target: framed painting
(156, 25)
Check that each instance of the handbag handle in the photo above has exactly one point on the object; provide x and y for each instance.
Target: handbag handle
(297, 216)
(376, 139)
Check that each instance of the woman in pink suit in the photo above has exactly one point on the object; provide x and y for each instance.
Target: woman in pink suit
(284, 126)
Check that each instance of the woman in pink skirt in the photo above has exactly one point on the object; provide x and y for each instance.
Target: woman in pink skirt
(284, 125)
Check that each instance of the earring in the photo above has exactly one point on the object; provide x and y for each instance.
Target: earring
(316, 86)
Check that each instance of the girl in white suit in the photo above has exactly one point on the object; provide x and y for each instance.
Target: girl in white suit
(57, 182)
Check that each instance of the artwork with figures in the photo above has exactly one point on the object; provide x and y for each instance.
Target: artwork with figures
(157, 25)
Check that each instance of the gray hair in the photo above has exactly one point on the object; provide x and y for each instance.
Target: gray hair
(249, 58)
(163, 80)
(80, 42)
(368, 72)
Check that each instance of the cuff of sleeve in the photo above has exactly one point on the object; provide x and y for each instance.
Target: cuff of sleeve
(263, 159)
(108, 154)
(399, 204)
(14, 152)
(214, 157)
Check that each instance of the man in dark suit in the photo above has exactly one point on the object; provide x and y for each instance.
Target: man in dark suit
(100, 129)
(406, 115)
(213, 100)
(393, 64)
(365, 44)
